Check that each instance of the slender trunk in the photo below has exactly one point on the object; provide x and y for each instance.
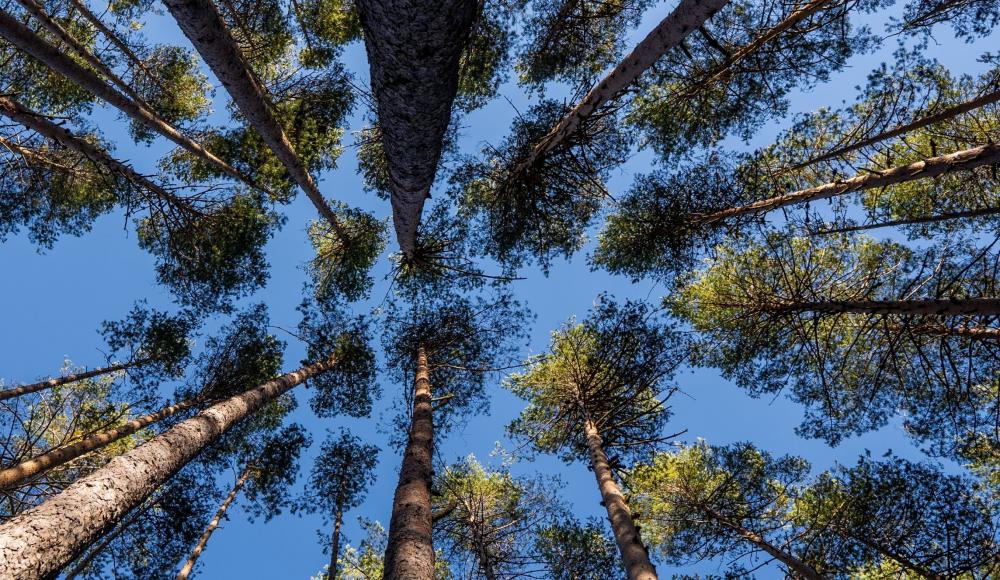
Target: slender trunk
(972, 213)
(208, 32)
(45, 127)
(43, 539)
(974, 332)
(338, 520)
(798, 566)
(634, 555)
(213, 525)
(927, 307)
(43, 17)
(944, 115)
(931, 167)
(95, 551)
(30, 43)
(688, 16)
(51, 383)
(409, 554)
(414, 48)
(24, 471)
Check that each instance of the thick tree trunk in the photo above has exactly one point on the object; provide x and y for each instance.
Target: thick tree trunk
(972, 213)
(929, 307)
(944, 115)
(338, 521)
(51, 383)
(45, 127)
(409, 554)
(30, 43)
(42, 540)
(688, 16)
(634, 555)
(24, 471)
(413, 51)
(95, 550)
(959, 161)
(213, 525)
(208, 32)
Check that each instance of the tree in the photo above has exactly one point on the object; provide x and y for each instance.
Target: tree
(601, 389)
(571, 550)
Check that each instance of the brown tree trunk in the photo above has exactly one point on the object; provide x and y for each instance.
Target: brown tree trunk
(959, 161)
(43, 539)
(95, 551)
(208, 32)
(30, 43)
(634, 555)
(213, 525)
(338, 520)
(409, 554)
(413, 49)
(43, 385)
(688, 16)
(972, 213)
(929, 307)
(24, 471)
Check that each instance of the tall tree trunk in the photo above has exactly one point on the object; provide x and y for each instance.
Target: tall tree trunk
(409, 554)
(634, 555)
(24, 471)
(974, 332)
(413, 49)
(42, 540)
(798, 566)
(213, 525)
(928, 307)
(30, 43)
(99, 547)
(944, 115)
(51, 383)
(208, 32)
(44, 126)
(338, 521)
(958, 161)
(972, 213)
(689, 15)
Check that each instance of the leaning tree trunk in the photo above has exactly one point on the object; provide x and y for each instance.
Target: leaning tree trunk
(42, 540)
(964, 160)
(213, 525)
(928, 307)
(208, 32)
(30, 43)
(413, 50)
(338, 521)
(96, 550)
(972, 213)
(634, 555)
(13, 476)
(409, 554)
(51, 383)
(670, 32)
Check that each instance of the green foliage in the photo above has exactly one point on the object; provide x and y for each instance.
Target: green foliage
(969, 19)
(274, 467)
(571, 550)
(342, 267)
(484, 61)
(325, 25)
(177, 90)
(152, 335)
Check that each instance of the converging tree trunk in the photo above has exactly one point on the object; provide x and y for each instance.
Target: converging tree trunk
(42, 540)
(213, 525)
(409, 554)
(972, 213)
(72, 378)
(96, 549)
(338, 521)
(634, 555)
(413, 51)
(207, 30)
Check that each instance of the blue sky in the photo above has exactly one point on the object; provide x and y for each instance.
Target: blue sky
(53, 303)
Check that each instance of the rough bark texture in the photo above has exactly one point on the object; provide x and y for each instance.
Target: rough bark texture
(959, 161)
(26, 40)
(338, 521)
(42, 385)
(932, 307)
(413, 50)
(409, 554)
(213, 525)
(22, 472)
(95, 550)
(42, 540)
(634, 555)
(205, 28)
(688, 16)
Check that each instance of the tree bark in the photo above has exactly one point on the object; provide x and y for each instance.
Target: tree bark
(413, 50)
(931, 167)
(42, 540)
(972, 213)
(30, 43)
(106, 540)
(688, 16)
(207, 30)
(929, 307)
(51, 383)
(409, 554)
(24, 471)
(213, 525)
(634, 555)
(338, 521)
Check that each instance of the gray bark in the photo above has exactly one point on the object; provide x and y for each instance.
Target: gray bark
(42, 540)
(413, 51)
(96, 550)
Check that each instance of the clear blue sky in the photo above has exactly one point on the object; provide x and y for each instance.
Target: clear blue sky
(54, 302)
